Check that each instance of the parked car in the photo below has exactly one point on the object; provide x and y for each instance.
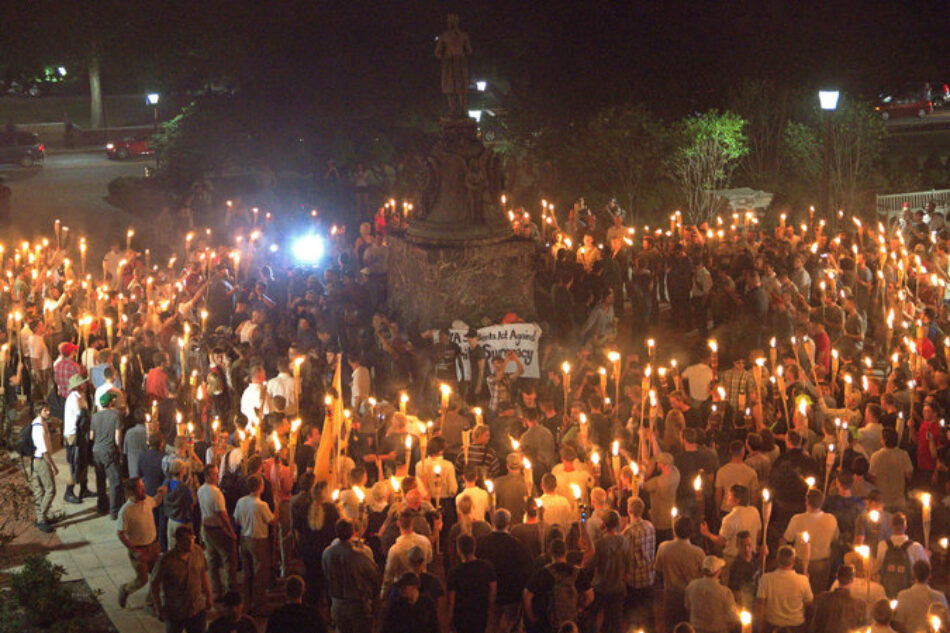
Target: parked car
(130, 147)
(911, 100)
(21, 148)
(941, 94)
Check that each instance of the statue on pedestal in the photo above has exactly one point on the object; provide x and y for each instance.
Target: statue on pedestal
(463, 181)
(453, 47)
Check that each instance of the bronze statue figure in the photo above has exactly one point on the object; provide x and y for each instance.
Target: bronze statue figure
(452, 48)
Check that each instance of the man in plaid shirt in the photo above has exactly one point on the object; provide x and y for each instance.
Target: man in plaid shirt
(65, 368)
(641, 535)
(500, 382)
(738, 381)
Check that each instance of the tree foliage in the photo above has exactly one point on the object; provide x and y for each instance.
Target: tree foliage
(768, 107)
(856, 143)
(710, 149)
(620, 152)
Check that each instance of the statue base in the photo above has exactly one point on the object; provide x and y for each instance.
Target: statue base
(433, 284)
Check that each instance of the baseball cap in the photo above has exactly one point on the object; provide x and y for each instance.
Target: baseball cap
(106, 399)
(66, 348)
(712, 564)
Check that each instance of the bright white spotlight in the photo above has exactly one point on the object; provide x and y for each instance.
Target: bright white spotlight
(481, 85)
(828, 99)
(308, 249)
(475, 114)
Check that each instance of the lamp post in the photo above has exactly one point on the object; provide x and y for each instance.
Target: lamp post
(152, 100)
(828, 99)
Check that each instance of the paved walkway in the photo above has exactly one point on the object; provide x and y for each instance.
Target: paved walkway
(86, 545)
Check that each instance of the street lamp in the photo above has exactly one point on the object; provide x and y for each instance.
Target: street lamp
(481, 85)
(475, 114)
(152, 100)
(828, 100)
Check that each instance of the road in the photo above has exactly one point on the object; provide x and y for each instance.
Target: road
(70, 187)
(939, 119)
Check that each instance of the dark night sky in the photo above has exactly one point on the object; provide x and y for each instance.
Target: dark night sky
(676, 55)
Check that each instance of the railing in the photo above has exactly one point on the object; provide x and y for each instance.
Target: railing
(893, 203)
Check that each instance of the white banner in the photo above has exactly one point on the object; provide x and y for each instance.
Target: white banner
(521, 338)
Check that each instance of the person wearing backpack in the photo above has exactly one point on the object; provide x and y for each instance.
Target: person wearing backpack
(896, 557)
(556, 593)
(34, 443)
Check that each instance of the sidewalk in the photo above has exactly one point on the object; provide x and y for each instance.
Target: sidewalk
(86, 545)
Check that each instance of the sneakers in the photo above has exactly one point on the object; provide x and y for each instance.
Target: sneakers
(87, 494)
(70, 497)
(123, 596)
(43, 526)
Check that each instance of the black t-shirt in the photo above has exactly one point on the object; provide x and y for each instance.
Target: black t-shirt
(541, 585)
(446, 355)
(511, 561)
(689, 463)
(403, 617)
(742, 573)
(304, 456)
(475, 355)
(300, 618)
(470, 582)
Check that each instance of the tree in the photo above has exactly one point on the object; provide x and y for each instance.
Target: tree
(767, 107)
(856, 142)
(619, 152)
(711, 146)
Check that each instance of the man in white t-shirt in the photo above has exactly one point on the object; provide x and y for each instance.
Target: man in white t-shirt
(217, 533)
(397, 559)
(139, 534)
(742, 517)
(254, 516)
(359, 384)
(75, 445)
(481, 501)
(254, 401)
(283, 385)
(557, 509)
(822, 529)
(43, 470)
(572, 471)
(783, 595)
(698, 376)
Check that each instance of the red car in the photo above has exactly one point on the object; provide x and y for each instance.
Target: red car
(904, 105)
(129, 147)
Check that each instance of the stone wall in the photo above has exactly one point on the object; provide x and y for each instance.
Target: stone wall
(432, 285)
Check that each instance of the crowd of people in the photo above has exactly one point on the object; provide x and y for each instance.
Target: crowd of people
(733, 428)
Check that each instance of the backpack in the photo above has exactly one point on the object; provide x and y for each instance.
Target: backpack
(562, 606)
(896, 568)
(24, 445)
(230, 479)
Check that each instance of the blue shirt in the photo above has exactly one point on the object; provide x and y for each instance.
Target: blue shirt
(97, 376)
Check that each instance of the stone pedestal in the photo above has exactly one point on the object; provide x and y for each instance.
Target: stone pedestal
(431, 285)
